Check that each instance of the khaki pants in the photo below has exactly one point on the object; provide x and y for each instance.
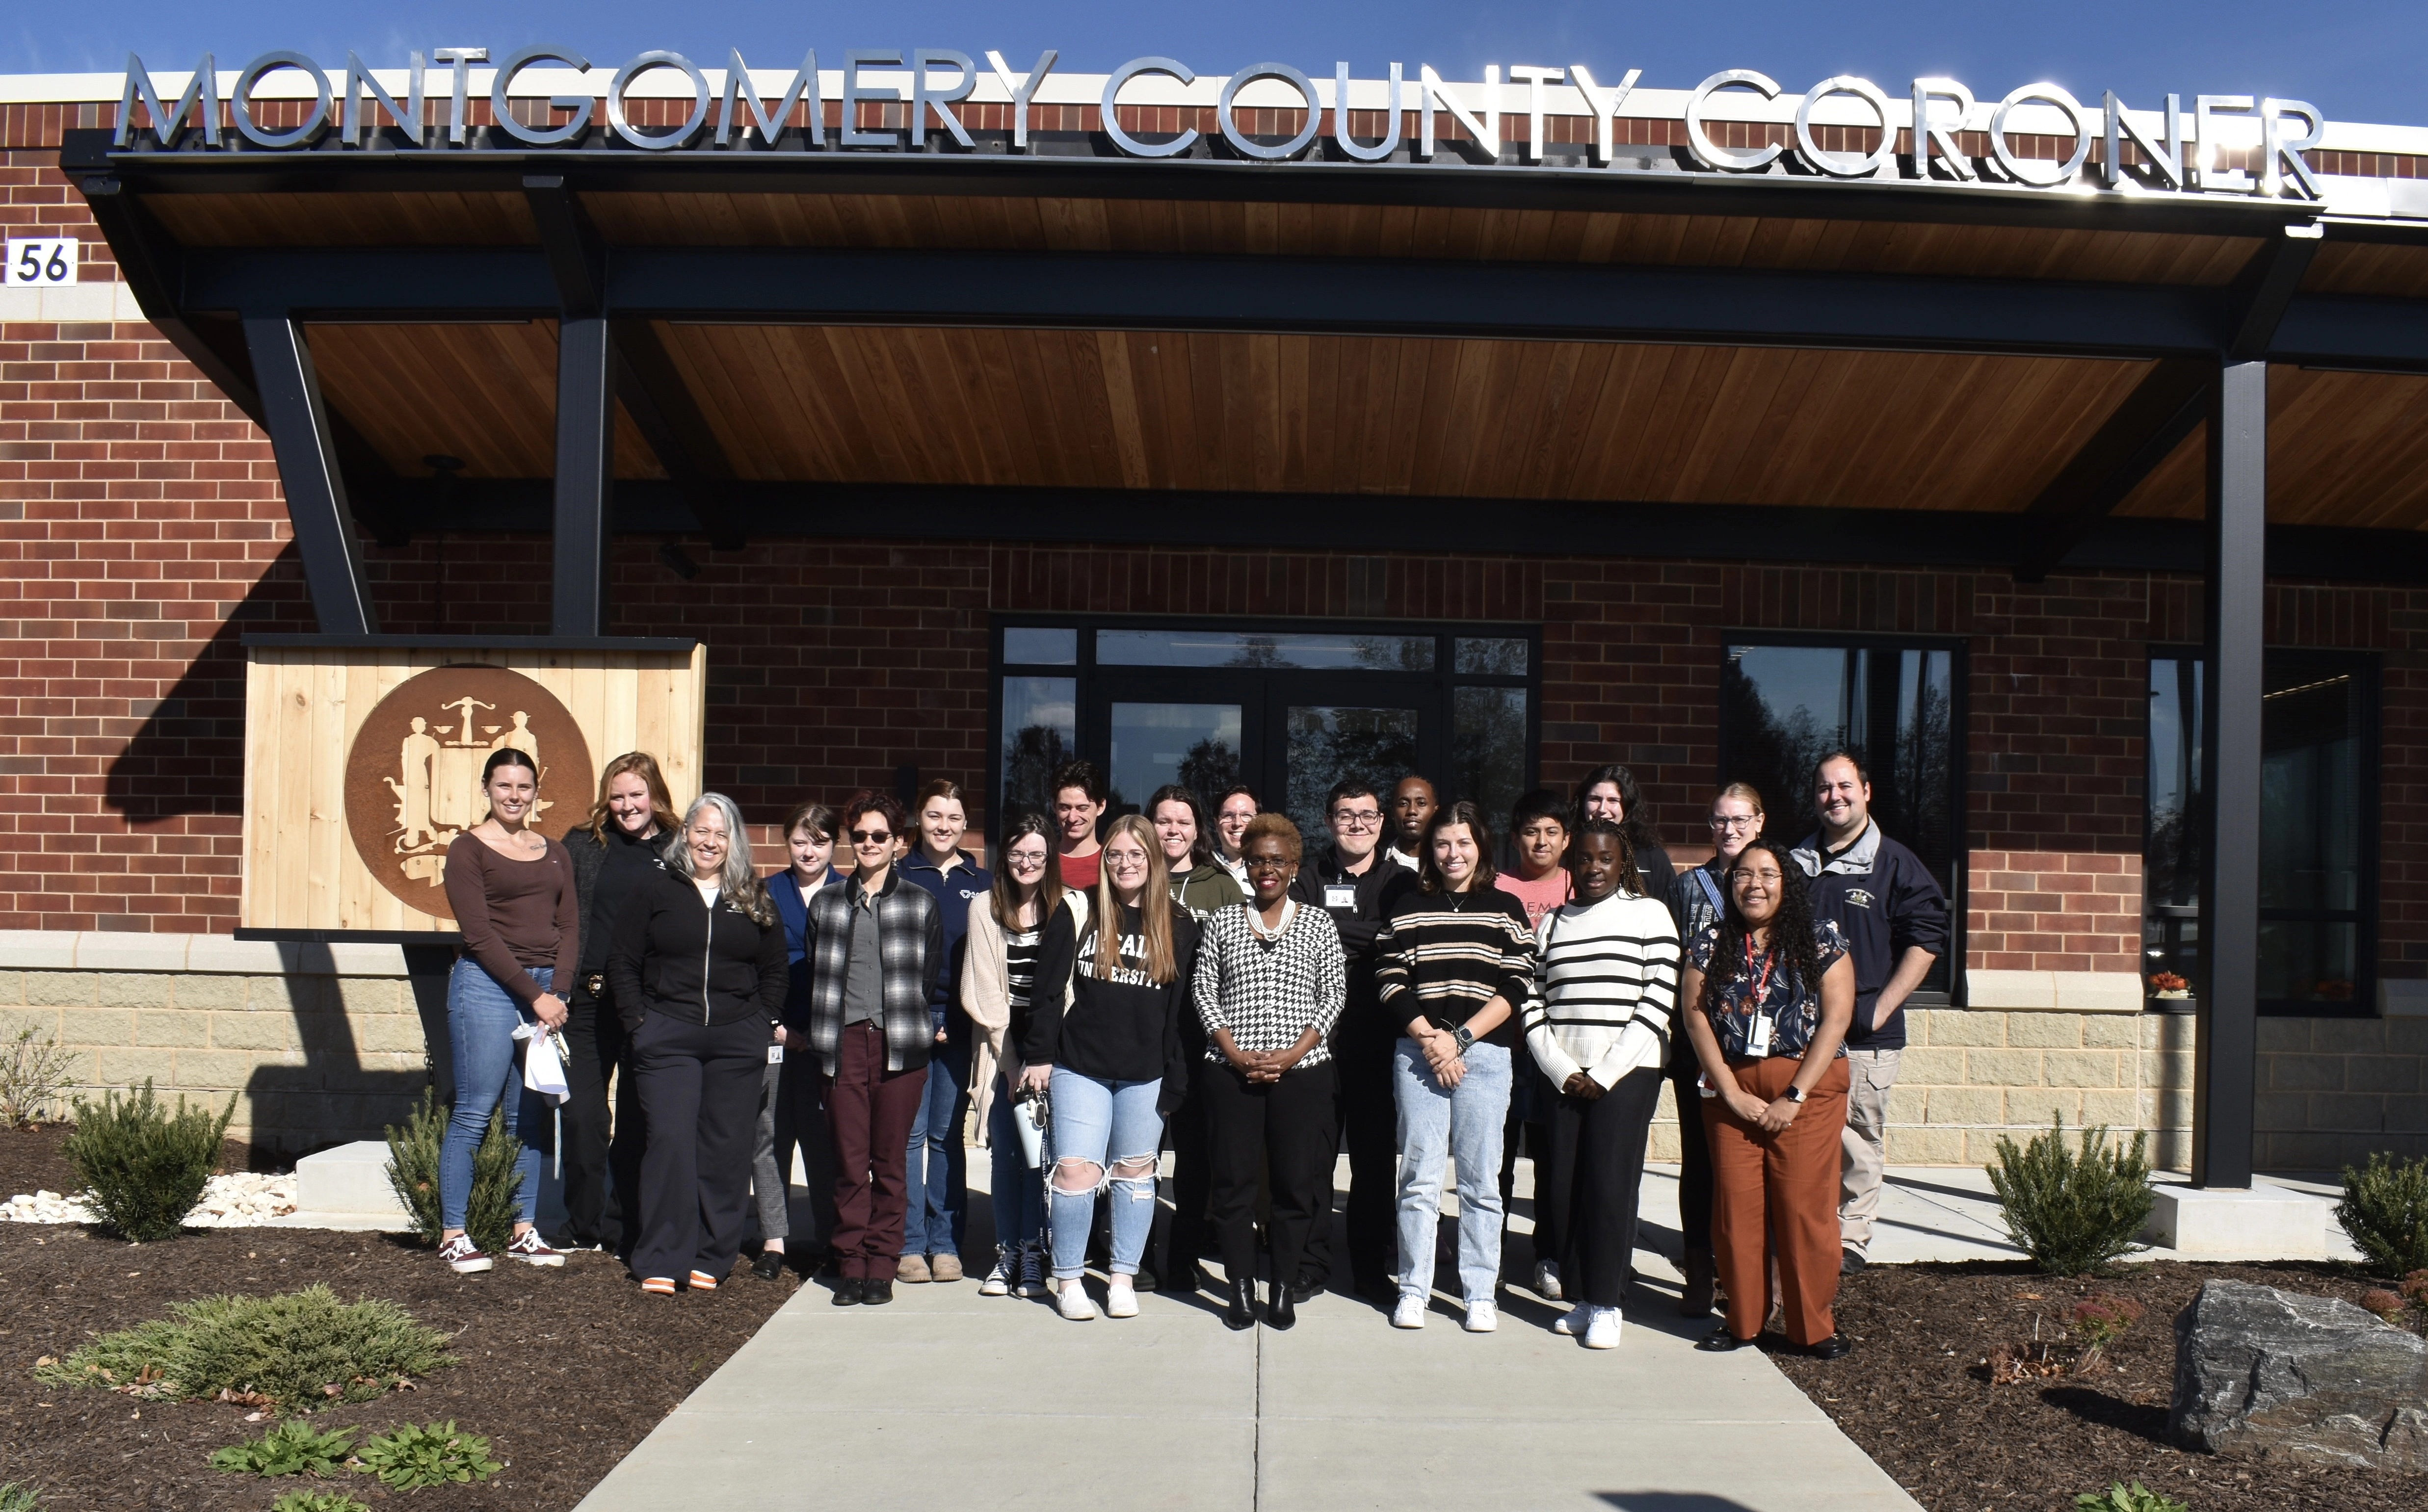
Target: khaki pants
(1864, 1148)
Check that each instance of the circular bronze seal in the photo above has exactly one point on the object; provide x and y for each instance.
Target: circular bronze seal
(413, 778)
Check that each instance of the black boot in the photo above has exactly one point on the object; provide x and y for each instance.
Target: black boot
(1280, 1313)
(1240, 1303)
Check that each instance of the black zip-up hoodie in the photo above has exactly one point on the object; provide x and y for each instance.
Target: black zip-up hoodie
(1119, 1027)
(1375, 890)
(674, 954)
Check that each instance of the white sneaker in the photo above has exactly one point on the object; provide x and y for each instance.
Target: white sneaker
(1602, 1333)
(1547, 1282)
(999, 1281)
(1121, 1298)
(1482, 1317)
(1032, 1271)
(1409, 1313)
(1071, 1301)
(1573, 1322)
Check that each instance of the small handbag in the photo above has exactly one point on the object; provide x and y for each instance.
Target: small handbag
(1029, 1111)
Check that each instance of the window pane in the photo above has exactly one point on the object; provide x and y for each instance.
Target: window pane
(2309, 791)
(1030, 648)
(1780, 706)
(1488, 754)
(1039, 733)
(1329, 745)
(1239, 648)
(1499, 657)
(2307, 962)
(2171, 859)
(1196, 746)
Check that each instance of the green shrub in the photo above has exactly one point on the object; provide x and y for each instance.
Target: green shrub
(2117, 1499)
(2073, 1212)
(16, 1496)
(407, 1458)
(299, 1350)
(413, 1171)
(32, 1076)
(143, 1166)
(291, 1448)
(313, 1502)
(2384, 1209)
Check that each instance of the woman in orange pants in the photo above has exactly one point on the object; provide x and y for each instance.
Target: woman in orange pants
(1774, 993)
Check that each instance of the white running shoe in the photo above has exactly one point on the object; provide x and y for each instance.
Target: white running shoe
(1409, 1313)
(1121, 1298)
(1602, 1333)
(1032, 1270)
(999, 1281)
(1482, 1317)
(1574, 1322)
(1071, 1300)
(1547, 1282)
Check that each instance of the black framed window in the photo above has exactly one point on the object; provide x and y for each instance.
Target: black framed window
(1287, 707)
(1897, 702)
(2318, 830)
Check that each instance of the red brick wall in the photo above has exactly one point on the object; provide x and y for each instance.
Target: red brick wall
(2053, 911)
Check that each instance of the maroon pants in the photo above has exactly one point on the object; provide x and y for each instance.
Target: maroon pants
(870, 1111)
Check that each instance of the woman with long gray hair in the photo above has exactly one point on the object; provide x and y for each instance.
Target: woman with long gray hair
(699, 971)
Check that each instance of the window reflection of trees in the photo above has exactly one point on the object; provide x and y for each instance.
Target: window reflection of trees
(1330, 745)
(1030, 753)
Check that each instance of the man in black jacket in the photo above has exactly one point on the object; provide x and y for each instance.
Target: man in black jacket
(1894, 917)
(1356, 886)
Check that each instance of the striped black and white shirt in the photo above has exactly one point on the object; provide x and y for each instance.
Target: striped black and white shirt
(1269, 991)
(1602, 967)
(1444, 956)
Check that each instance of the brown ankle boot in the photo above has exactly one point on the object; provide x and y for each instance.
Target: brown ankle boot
(1694, 1300)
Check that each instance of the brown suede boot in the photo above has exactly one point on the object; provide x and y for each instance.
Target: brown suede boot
(1695, 1300)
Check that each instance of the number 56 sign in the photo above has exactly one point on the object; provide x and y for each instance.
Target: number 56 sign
(37, 261)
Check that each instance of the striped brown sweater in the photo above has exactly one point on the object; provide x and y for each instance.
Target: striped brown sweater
(1443, 955)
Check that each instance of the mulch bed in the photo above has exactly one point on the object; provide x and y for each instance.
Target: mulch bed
(563, 1371)
(30, 1160)
(1916, 1394)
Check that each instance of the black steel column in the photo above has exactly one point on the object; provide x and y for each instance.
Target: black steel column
(585, 474)
(2236, 604)
(307, 471)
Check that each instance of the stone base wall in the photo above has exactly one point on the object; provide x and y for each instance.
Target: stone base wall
(2334, 1090)
(319, 1044)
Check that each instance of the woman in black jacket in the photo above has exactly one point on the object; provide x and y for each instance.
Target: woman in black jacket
(1104, 1041)
(698, 972)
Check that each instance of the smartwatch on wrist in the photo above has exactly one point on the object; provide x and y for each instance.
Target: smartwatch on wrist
(1462, 1036)
(1793, 1094)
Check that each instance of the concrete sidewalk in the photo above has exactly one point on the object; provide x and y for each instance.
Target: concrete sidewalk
(999, 1402)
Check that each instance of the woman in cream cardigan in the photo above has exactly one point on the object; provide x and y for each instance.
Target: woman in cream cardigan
(998, 973)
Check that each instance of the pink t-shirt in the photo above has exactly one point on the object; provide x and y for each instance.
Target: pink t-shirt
(1540, 896)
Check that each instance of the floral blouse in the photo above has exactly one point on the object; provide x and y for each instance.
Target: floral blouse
(1793, 1007)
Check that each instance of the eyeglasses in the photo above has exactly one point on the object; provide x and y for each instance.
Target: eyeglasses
(1267, 863)
(1023, 863)
(870, 837)
(1743, 874)
(1736, 822)
(1357, 819)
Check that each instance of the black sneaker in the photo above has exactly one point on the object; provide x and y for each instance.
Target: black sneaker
(847, 1291)
(769, 1265)
(1306, 1289)
(876, 1293)
(1837, 1346)
(1850, 1262)
(1144, 1280)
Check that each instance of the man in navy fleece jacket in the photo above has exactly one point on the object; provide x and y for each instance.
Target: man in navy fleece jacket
(1894, 917)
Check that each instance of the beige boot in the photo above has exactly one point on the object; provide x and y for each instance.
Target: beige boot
(914, 1269)
(945, 1268)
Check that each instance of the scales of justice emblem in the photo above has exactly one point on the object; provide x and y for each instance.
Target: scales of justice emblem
(413, 778)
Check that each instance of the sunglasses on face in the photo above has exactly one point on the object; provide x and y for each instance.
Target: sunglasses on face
(870, 837)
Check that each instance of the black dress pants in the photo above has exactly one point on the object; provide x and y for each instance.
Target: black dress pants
(1282, 1131)
(699, 1084)
(1694, 1155)
(602, 1171)
(1597, 1173)
(1369, 1113)
(1192, 1186)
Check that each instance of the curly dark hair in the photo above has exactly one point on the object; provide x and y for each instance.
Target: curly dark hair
(1630, 881)
(1791, 927)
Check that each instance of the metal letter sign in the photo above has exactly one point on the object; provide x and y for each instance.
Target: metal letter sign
(1737, 122)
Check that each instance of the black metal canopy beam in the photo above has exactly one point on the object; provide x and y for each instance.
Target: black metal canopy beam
(2151, 422)
(1644, 181)
(1738, 532)
(314, 486)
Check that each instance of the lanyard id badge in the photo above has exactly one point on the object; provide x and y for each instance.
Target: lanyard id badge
(1758, 1035)
(1339, 895)
(1759, 1023)
(775, 1055)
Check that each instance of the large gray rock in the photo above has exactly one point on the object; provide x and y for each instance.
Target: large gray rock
(2264, 1373)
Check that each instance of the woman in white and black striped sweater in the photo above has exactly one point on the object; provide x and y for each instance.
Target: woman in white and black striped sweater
(1599, 1024)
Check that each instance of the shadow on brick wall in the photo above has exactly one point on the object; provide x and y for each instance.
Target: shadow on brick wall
(358, 1054)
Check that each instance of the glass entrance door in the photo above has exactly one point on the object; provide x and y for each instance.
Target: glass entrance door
(1205, 735)
(1325, 743)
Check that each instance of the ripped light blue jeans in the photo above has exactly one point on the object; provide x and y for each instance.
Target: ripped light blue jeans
(1113, 1127)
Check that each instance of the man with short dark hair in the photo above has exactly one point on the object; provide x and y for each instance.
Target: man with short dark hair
(1352, 884)
(1894, 917)
(1080, 793)
(1412, 807)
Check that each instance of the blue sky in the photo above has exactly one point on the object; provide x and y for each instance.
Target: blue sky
(2356, 59)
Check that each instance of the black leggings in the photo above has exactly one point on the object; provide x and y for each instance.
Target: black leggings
(1694, 1155)
(1282, 1131)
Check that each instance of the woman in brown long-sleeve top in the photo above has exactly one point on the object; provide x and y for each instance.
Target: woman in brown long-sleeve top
(511, 890)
